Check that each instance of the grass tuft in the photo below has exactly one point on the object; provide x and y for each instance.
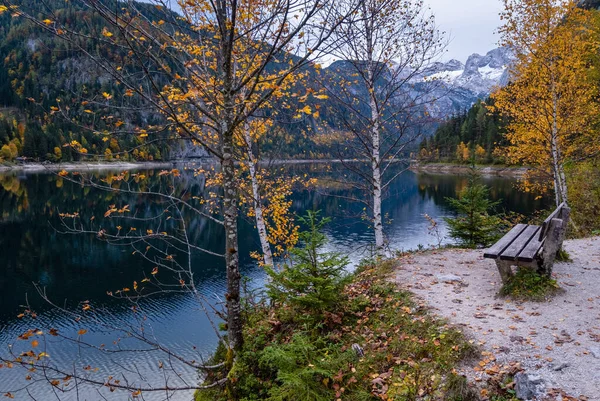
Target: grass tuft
(563, 256)
(528, 285)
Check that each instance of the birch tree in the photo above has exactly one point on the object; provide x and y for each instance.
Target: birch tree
(387, 48)
(207, 70)
(551, 101)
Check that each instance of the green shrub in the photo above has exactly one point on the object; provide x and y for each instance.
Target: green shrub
(584, 198)
(312, 283)
(474, 225)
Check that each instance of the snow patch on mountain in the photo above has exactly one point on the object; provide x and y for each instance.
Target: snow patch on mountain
(462, 84)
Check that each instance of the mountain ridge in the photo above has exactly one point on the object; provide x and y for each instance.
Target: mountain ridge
(464, 84)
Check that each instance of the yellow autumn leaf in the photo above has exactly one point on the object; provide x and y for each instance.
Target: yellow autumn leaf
(307, 110)
(48, 21)
(82, 332)
(106, 95)
(106, 32)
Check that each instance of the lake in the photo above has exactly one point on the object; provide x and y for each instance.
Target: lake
(76, 268)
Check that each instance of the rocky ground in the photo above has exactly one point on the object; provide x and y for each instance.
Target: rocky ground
(557, 343)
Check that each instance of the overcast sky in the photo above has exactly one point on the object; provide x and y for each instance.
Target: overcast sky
(470, 23)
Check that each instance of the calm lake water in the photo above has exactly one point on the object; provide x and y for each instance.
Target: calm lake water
(77, 268)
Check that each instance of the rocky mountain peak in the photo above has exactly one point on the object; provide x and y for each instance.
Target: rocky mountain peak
(463, 84)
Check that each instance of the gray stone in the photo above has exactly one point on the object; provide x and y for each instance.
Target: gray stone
(558, 367)
(595, 351)
(448, 278)
(529, 386)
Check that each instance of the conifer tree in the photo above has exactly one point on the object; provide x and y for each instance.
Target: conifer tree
(314, 280)
(474, 226)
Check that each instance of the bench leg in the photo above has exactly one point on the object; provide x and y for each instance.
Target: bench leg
(566, 218)
(505, 270)
(552, 245)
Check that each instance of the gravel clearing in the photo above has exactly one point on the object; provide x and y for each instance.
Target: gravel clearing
(558, 340)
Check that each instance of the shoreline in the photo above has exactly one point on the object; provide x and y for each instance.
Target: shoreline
(36, 167)
(87, 166)
(486, 170)
(433, 168)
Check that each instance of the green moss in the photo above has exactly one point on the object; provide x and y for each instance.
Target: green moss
(563, 256)
(528, 285)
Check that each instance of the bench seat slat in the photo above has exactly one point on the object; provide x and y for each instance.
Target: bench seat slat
(531, 250)
(514, 249)
(495, 250)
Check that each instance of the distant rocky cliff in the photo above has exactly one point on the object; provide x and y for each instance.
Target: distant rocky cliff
(463, 84)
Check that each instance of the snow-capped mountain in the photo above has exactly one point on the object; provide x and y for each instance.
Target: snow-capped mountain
(462, 84)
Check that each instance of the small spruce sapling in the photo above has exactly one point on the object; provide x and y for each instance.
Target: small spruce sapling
(313, 282)
(474, 226)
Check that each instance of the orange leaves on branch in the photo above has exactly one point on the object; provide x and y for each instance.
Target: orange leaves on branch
(112, 209)
(81, 332)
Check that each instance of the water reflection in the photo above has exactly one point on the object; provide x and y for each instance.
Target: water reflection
(74, 268)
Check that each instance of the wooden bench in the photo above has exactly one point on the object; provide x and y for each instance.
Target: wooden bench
(531, 246)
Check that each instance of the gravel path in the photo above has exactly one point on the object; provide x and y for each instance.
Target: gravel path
(558, 340)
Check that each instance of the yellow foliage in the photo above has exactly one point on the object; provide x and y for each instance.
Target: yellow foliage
(551, 103)
(462, 152)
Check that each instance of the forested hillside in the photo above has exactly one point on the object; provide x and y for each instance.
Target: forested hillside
(474, 133)
(41, 70)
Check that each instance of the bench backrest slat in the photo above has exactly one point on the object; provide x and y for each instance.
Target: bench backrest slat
(554, 215)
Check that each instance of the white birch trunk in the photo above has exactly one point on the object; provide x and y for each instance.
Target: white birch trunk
(376, 167)
(375, 136)
(558, 172)
(257, 204)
